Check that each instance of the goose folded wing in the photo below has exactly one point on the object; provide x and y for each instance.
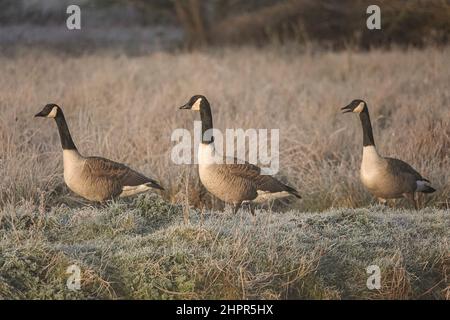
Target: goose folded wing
(102, 168)
(252, 173)
(399, 167)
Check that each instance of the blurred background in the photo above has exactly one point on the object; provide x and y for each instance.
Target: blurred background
(139, 26)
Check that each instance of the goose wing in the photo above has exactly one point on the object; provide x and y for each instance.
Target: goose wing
(398, 167)
(261, 182)
(105, 169)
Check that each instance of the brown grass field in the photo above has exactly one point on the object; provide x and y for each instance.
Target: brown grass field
(125, 108)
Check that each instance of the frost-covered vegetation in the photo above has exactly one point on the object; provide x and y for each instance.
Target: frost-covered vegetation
(146, 249)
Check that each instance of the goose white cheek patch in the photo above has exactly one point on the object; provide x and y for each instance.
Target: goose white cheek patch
(196, 106)
(53, 113)
(359, 108)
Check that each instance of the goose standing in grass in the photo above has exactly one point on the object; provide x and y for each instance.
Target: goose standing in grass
(232, 182)
(385, 178)
(94, 178)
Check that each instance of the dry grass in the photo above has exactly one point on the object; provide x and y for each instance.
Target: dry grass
(143, 250)
(125, 108)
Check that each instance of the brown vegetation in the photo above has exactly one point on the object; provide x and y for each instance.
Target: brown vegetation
(125, 108)
(331, 23)
(143, 250)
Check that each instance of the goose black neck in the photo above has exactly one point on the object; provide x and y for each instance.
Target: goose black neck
(207, 123)
(367, 128)
(64, 133)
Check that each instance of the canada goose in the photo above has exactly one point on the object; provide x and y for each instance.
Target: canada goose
(385, 178)
(94, 178)
(232, 182)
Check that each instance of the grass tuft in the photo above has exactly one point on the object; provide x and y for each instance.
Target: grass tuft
(138, 251)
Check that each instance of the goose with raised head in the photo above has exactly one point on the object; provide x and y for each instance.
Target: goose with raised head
(94, 178)
(234, 182)
(385, 178)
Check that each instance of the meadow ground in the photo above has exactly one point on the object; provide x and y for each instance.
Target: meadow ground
(143, 249)
(125, 108)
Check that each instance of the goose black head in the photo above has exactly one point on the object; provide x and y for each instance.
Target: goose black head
(356, 106)
(196, 103)
(51, 110)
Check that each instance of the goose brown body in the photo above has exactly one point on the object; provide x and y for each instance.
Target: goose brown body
(237, 183)
(100, 179)
(388, 178)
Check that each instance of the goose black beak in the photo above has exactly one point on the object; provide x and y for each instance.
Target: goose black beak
(40, 114)
(186, 106)
(347, 109)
